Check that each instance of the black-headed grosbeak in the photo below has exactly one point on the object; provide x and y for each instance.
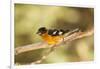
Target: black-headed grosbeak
(51, 36)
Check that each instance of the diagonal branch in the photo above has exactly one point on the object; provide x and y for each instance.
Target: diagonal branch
(30, 47)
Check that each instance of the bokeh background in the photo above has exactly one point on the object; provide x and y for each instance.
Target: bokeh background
(29, 17)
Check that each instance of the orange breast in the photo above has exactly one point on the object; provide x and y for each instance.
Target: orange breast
(51, 39)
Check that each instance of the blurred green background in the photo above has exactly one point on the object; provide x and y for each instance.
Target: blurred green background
(28, 18)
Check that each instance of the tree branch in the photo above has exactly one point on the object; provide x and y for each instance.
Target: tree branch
(67, 38)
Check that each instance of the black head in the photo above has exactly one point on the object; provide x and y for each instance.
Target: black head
(42, 30)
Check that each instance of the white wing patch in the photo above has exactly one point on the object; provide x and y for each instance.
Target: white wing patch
(54, 32)
(60, 33)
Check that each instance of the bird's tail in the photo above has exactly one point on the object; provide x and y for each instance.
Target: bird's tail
(69, 32)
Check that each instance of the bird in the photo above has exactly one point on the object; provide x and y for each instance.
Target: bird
(51, 36)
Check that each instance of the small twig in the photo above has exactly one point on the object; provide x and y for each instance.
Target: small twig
(77, 35)
(44, 56)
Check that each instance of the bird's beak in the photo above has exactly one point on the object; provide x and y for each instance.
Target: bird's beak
(38, 33)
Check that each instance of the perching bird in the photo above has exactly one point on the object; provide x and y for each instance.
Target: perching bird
(52, 36)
